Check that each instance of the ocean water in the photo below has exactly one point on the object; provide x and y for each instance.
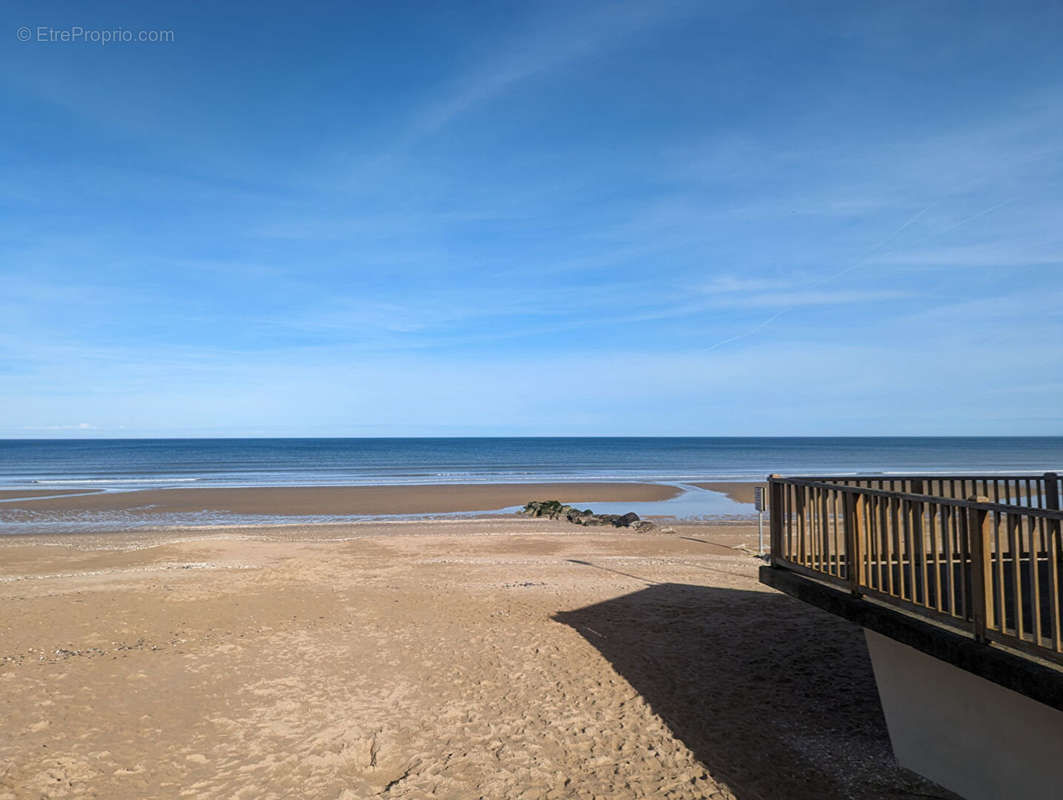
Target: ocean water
(143, 463)
(129, 464)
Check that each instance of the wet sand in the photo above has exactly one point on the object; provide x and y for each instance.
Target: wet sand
(740, 492)
(344, 500)
(494, 658)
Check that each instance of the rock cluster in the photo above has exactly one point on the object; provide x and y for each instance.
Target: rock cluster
(555, 509)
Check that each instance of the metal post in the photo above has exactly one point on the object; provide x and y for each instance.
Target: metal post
(758, 501)
(775, 507)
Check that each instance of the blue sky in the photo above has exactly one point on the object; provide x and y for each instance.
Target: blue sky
(533, 218)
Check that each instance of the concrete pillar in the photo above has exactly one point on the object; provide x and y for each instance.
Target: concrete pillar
(970, 735)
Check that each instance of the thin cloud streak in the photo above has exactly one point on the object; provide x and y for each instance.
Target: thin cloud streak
(876, 250)
(552, 47)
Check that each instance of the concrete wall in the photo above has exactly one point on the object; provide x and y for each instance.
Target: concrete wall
(968, 734)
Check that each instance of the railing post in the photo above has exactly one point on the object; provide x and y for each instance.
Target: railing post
(854, 546)
(1052, 531)
(775, 509)
(978, 533)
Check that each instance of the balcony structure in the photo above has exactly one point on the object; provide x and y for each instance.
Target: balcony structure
(956, 581)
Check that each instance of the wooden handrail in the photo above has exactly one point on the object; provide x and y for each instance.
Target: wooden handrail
(984, 503)
(926, 476)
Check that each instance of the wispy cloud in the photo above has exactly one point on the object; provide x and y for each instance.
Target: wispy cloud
(728, 284)
(734, 292)
(795, 299)
(556, 42)
(990, 254)
(81, 426)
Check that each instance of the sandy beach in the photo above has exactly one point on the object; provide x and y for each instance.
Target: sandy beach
(494, 658)
(342, 500)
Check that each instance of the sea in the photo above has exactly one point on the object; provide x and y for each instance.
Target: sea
(130, 464)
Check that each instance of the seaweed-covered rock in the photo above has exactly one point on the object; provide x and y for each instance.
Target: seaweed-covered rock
(577, 517)
(555, 509)
(546, 508)
(594, 520)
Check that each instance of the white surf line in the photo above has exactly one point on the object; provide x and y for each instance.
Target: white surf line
(86, 493)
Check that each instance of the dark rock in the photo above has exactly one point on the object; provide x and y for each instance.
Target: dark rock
(546, 508)
(532, 508)
(577, 517)
(555, 509)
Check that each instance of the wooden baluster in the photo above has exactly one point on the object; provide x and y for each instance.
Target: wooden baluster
(1012, 523)
(824, 522)
(1036, 528)
(854, 546)
(932, 514)
(887, 537)
(982, 606)
(919, 546)
(836, 537)
(874, 541)
(948, 516)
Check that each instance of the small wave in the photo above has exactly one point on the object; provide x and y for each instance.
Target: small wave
(51, 481)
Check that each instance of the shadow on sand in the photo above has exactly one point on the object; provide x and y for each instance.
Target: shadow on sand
(776, 698)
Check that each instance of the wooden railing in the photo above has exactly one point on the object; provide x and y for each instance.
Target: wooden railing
(982, 553)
